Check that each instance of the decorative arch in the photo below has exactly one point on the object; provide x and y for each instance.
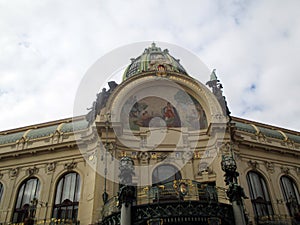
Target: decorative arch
(259, 194)
(67, 196)
(165, 173)
(195, 89)
(26, 200)
(290, 194)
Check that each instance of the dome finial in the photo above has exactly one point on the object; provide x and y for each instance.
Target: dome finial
(153, 45)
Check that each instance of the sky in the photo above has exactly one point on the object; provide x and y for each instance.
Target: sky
(47, 46)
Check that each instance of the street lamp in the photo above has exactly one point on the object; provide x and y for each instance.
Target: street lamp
(235, 192)
(229, 167)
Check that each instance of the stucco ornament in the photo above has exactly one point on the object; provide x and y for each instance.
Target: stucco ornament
(156, 101)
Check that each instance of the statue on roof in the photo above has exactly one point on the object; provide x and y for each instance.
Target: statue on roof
(217, 87)
(100, 102)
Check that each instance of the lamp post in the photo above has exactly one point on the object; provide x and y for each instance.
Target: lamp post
(126, 191)
(107, 148)
(235, 192)
(32, 210)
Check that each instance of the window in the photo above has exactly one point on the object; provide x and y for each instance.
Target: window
(164, 174)
(162, 180)
(1, 191)
(259, 195)
(290, 194)
(67, 197)
(24, 209)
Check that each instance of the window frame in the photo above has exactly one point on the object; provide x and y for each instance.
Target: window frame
(262, 205)
(26, 210)
(177, 175)
(1, 191)
(67, 209)
(166, 193)
(295, 195)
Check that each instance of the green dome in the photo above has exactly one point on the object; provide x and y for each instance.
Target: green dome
(153, 59)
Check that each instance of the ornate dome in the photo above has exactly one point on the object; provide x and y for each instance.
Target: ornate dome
(153, 59)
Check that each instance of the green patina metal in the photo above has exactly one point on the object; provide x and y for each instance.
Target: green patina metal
(293, 137)
(10, 138)
(41, 132)
(245, 127)
(75, 126)
(271, 133)
(150, 59)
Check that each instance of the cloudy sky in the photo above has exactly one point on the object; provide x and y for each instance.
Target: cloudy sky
(46, 47)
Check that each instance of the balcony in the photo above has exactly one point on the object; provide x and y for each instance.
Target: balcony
(180, 201)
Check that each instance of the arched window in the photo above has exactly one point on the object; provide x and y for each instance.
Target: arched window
(1, 191)
(164, 174)
(24, 207)
(67, 197)
(290, 193)
(259, 195)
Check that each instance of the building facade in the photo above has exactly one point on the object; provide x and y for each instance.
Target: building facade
(158, 148)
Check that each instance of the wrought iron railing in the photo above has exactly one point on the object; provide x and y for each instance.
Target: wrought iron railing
(177, 191)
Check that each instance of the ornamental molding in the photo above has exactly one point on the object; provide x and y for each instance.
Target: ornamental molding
(144, 156)
(297, 169)
(285, 170)
(253, 164)
(32, 171)
(204, 168)
(270, 166)
(50, 167)
(70, 165)
(13, 172)
(262, 138)
(136, 83)
(187, 155)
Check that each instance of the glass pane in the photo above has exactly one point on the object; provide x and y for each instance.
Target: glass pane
(59, 192)
(75, 212)
(265, 190)
(289, 189)
(27, 192)
(259, 194)
(290, 194)
(20, 195)
(296, 193)
(37, 191)
(257, 187)
(284, 188)
(1, 191)
(69, 188)
(66, 188)
(164, 174)
(55, 213)
(72, 187)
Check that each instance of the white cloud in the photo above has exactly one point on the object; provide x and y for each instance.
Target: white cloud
(47, 46)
